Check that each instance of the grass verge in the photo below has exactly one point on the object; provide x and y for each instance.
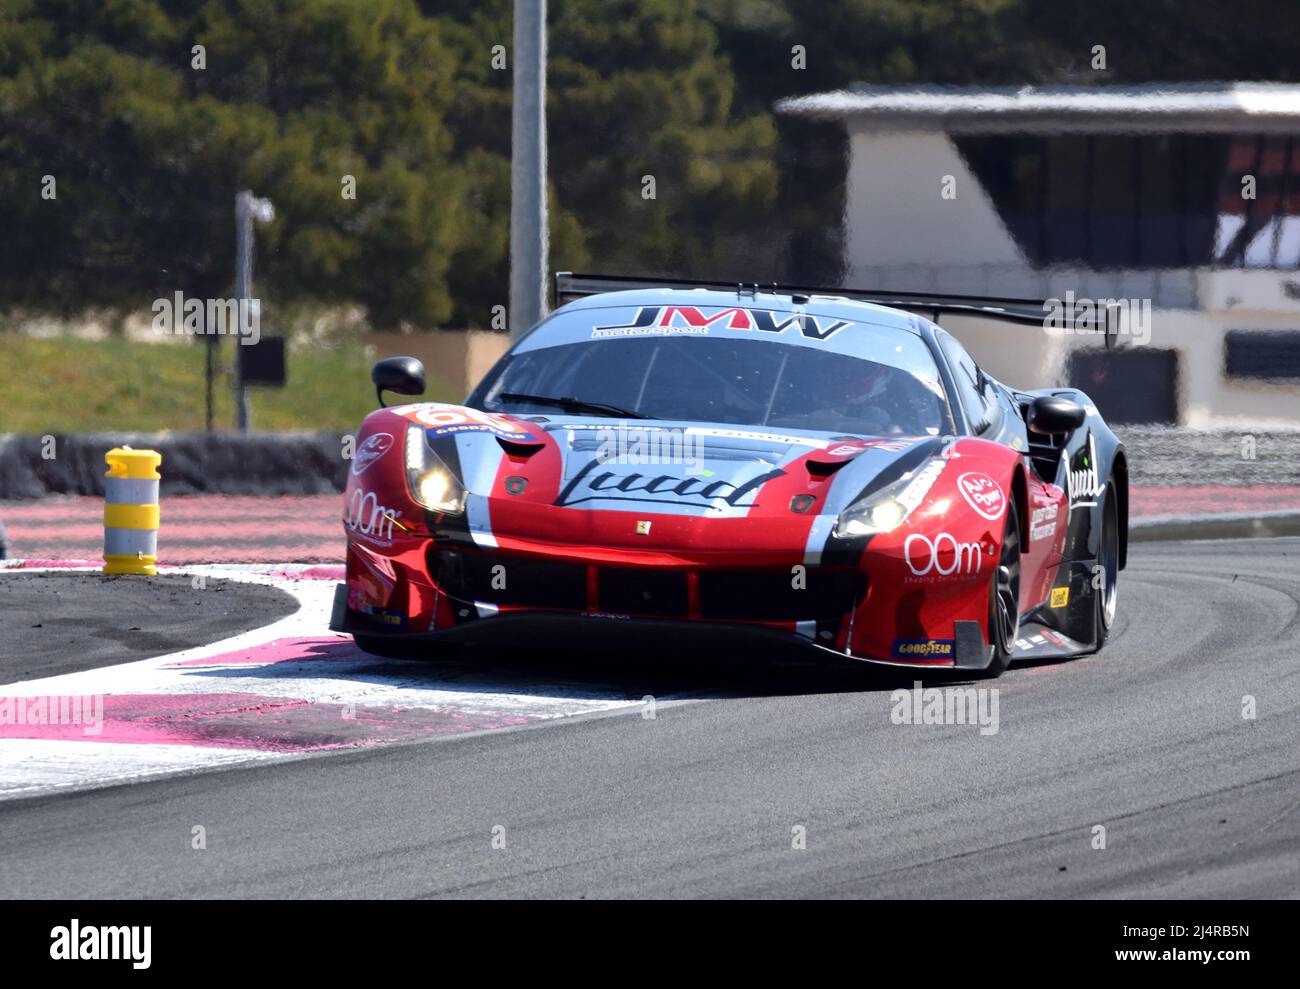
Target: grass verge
(68, 385)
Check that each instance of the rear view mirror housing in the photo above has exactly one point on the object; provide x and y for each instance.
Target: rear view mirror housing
(401, 375)
(1051, 415)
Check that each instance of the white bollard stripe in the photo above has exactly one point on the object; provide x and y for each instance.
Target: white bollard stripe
(129, 542)
(130, 491)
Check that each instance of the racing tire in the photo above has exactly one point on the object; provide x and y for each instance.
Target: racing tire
(1106, 596)
(1004, 597)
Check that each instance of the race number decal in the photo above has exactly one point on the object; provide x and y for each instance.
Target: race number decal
(444, 420)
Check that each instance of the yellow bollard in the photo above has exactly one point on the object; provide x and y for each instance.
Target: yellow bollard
(131, 511)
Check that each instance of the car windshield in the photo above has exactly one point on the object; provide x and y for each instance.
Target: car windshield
(728, 380)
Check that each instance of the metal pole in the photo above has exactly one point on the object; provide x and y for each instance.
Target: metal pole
(210, 350)
(528, 246)
(243, 289)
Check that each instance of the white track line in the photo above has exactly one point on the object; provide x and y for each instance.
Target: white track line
(347, 677)
(31, 767)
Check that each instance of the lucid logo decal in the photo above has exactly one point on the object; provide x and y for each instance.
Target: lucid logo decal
(588, 485)
(666, 319)
(943, 556)
(983, 494)
(371, 449)
(1084, 485)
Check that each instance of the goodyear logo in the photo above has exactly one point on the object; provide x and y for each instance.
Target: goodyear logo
(923, 648)
(385, 616)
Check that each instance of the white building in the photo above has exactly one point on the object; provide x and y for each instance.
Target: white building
(1187, 196)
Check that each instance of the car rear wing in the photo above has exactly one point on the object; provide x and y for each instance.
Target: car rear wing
(1031, 312)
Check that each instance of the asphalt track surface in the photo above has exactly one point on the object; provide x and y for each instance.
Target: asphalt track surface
(43, 632)
(1146, 739)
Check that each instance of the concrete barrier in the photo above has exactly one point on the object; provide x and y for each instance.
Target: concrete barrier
(311, 462)
(1163, 457)
(1226, 525)
(197, 463)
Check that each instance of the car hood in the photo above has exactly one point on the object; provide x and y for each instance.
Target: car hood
(681, 468)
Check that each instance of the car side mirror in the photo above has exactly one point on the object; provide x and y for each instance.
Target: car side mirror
(1051, 414)
(403, 375)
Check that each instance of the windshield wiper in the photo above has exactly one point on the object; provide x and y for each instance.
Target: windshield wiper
(570, 404)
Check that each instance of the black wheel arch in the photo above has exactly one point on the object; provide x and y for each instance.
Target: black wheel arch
(1020, 498)
(1119, 474)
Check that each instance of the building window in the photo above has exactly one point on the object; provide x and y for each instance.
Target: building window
(1128, 386)
(1262, 355)
(1264, 231)
(1114, 201)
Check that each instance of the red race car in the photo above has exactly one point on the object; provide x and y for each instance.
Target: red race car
(659, 461)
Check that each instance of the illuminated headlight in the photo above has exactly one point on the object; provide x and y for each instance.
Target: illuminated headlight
(431, 482)
(887, 509)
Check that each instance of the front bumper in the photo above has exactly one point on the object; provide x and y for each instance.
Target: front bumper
(588, 631)
(625, 634)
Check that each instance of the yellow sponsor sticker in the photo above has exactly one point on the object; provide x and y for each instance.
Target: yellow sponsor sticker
(1060, 597)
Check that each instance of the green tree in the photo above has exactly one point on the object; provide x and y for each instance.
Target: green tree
(1177, 41)
(148, 151)
(641, 89)
(634, 89)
